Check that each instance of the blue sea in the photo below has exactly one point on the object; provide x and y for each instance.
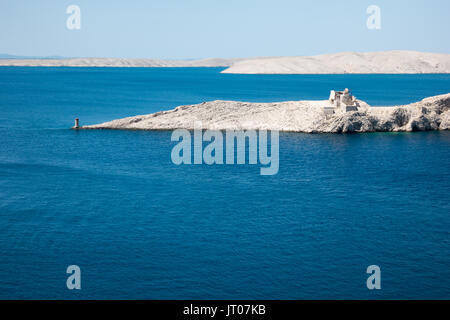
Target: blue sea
(140, 227)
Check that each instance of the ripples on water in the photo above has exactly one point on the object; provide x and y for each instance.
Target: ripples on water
(141, 227)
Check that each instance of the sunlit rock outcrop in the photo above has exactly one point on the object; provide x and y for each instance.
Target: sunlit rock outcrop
(432, 113)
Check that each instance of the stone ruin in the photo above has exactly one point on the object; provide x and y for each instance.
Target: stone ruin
(341, 101)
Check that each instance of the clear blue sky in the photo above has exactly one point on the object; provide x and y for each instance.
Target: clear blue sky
(173, 29)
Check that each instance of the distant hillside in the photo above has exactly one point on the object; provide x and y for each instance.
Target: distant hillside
(115, 62)
(347, 62)
(14, 57)
(338, 63)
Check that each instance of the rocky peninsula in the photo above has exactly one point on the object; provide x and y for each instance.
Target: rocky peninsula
(324, 116)
(116, 62)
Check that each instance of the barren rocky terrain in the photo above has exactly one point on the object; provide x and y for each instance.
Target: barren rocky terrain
(432, 113)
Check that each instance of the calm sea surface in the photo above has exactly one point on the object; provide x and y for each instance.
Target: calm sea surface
(140, 227)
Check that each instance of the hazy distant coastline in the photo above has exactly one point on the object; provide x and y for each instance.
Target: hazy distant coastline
(385, 62)
(116, 62)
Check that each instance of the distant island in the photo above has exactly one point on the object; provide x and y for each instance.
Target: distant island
(342, 113)
(115, 62)
(387, 62)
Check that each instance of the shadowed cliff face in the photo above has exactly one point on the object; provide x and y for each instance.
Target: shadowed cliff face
(429, 114)
(432, 113)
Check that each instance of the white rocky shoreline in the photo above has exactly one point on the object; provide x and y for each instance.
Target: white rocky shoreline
(431, 113)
